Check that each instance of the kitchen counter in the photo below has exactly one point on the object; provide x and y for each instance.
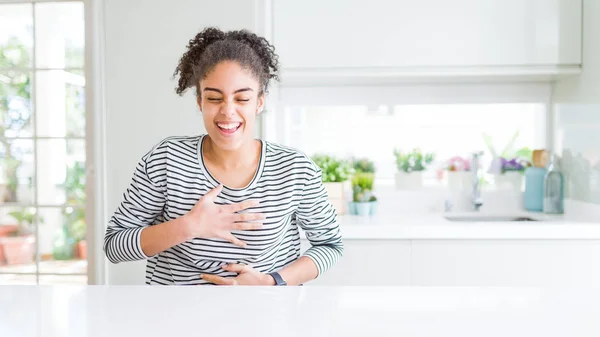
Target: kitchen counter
(101, 311)
(436, 226)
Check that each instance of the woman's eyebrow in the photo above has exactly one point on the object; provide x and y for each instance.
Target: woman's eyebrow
(235, 92)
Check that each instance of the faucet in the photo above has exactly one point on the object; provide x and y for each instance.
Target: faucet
(476, 186)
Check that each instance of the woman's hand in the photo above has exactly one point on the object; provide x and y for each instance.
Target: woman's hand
(209, 220)
(247, 276)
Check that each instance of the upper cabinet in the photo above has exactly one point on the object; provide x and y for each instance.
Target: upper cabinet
(427, 37)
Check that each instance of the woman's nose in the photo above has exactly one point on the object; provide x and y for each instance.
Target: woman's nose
(228, 108)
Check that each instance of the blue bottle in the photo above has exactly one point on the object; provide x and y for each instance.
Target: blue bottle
(533, 197)
(554, 188)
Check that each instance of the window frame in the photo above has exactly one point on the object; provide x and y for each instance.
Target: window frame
(94, 112)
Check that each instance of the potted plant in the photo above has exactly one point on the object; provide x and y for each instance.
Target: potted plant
(410, 167)
(363, 165)
(508, 166)
(458, 173)
(364, 203)
(19, 245)
(335, 175)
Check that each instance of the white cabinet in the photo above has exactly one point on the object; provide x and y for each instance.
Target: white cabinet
(505, 262)
(466, 263)
(426, 35)
(369, 263)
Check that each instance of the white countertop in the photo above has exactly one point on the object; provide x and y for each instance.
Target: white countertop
(111, 311)
(436, 226)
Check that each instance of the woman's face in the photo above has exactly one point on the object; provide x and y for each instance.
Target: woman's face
(229, 101)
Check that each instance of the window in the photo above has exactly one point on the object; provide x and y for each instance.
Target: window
(446, 130)
(42, 143)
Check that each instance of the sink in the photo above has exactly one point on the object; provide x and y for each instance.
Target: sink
(486, 218)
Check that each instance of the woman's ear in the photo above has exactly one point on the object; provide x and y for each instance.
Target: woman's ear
(199, 101)
(261, 104)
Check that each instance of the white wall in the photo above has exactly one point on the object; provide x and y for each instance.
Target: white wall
(144, 41)
(577, 115)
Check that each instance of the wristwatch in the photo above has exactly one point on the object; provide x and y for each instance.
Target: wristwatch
(279, 281)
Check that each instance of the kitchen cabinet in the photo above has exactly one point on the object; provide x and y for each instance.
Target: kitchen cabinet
(505, 262)
(369, 262)
(426, 38)
(466, 262)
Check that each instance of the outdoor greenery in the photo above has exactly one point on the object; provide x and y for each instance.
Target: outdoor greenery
(16, 121)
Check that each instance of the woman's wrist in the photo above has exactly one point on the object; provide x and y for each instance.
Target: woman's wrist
(269, 280)
(187, 227)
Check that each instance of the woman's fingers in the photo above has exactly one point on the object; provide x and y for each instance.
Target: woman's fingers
(218, 280)
(229, 237)
(235, 267)
(245, 226)
(245, 217)
(240, 206)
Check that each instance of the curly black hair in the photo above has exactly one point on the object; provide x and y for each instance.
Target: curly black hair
(212, 45)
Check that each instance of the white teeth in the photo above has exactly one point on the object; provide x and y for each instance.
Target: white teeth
(228, 126)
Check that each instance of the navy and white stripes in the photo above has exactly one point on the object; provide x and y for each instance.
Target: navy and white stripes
(169, 180)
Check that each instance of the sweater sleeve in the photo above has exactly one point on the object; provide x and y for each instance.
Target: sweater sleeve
(317, 218)
(143, 202)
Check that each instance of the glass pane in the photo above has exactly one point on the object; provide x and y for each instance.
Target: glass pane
(17, 239)
(446, 130)
(15, 279)
(16, 36)
(60, 103)
(61, 171)
(16, 171)
(63, 279)
(15, 104)
(60, 33)
(62, 240)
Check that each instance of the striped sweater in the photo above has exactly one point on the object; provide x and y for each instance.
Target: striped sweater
(171, 177)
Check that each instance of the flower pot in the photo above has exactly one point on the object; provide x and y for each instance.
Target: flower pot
(339, 194)
(18, 249)
(373, 209)
(363, 208)
(352, 208)
(512, 180)
(459, 180)
(5, 230)
(409, 181)
(81, 250)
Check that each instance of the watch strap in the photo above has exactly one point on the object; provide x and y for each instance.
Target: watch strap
(279, 281)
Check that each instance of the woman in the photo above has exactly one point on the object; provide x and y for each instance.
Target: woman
(224, 208)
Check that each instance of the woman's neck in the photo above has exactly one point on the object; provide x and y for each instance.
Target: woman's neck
(246, 155)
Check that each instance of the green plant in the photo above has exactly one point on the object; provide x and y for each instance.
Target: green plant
(74, 186)
(363, 165)
(362, 187)
(333, 170)
(413, 161)
(509, 151)
(25, 218)
(15, 109)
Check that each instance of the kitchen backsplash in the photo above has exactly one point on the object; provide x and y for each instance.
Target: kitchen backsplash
(577, 141)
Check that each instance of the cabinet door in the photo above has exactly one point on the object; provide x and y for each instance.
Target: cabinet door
(342, 34)
(505, 262)
(369, 263)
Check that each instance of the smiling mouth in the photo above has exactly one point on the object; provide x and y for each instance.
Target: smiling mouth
(229, 128)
